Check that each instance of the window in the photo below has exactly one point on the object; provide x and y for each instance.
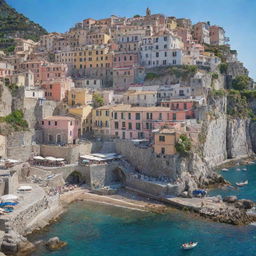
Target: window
(137, 116)
(162, 138)
(49, 122)
(160, 116)
(137, 126)
(129, 116)
(123, 124)
(71, 123)
(165, 38)
(130, 126)
(149, 116)
(56, 123)
(174, 116)
(42, 122)
(163, 151)
(185, 105)
(174, 54)
(174, 62)
(115, 115)
(116, 125)
(157, 54)
(122, 115)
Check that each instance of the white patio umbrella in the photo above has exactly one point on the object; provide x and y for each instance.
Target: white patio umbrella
(9, 197)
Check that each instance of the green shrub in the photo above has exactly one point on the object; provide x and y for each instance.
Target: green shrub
(183, 145)
(16, 120)
(151, 76)
(98, 100)
(241, 83)
(215, 76)
(223, 67)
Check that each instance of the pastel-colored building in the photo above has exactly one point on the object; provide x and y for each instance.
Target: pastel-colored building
(123, 77)
(123, 59)
(138, 122)
(60, 130)
(161, 50)
(217, 35)
(57, 89)
(90, 83)
(140, 98)
(25, 78)
(185, 105)
(101, 118)
(6, 70)
(97, 38)
(34, 93)
(165, 140)
(84, 115)
(79, 96)
(201, 32)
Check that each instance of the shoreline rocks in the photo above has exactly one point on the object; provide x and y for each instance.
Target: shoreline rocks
(54, 244)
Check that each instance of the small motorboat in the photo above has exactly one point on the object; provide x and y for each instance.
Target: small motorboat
(241, 184)
(224, 170)
(244, 169)
(188, 246)
(238, 169)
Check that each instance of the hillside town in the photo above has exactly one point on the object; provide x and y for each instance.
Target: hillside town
(150, 103)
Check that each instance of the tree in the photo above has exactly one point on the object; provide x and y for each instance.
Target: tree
(241, 83)
(183, 145)
(98, 100)
(136, 16)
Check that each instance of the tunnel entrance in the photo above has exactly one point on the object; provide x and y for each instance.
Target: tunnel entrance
(118, 176)
(74, 178)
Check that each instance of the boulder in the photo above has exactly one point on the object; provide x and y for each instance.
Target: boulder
(244, 204)
(55, 243)
(230, 199)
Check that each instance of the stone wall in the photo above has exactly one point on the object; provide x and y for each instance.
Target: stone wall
(70, 152)
(5, 100)
(20, 145)
(2, 146)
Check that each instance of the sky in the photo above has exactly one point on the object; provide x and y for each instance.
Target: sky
(237, 17)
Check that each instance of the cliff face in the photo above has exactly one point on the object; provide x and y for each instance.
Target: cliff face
(225, 137)
(252, 132)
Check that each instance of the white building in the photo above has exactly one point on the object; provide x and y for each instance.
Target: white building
(94, 84)
(140, 98)
(162, 50)
(34, 93)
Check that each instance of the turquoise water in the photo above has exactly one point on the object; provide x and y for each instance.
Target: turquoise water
(96, 230)
(233, 176)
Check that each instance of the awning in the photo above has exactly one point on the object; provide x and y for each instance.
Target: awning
(38, 158)
(25, 188)
(60, 159)
(50, 158)
(9, 197)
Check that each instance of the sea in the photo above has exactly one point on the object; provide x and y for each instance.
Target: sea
(92, 229)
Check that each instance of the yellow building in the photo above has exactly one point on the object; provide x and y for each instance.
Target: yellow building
(79, 96)
(164, 141)
(84, 114)
(101, 120)
(91, 56)
(171, 23)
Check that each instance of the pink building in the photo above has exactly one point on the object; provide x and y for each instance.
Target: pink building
(52, 71)
(185, 105)
(138, 122)
(44, 70)
(123, 77)
(56, 89)
(201, 32)
(60, 130)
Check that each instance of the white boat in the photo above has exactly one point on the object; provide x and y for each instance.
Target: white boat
(238, 169)
(241, 184)
(188, 246)
(244, 169)
(224, 170)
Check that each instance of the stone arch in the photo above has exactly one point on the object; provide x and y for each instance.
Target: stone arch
(119, 175)
(74, 177)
